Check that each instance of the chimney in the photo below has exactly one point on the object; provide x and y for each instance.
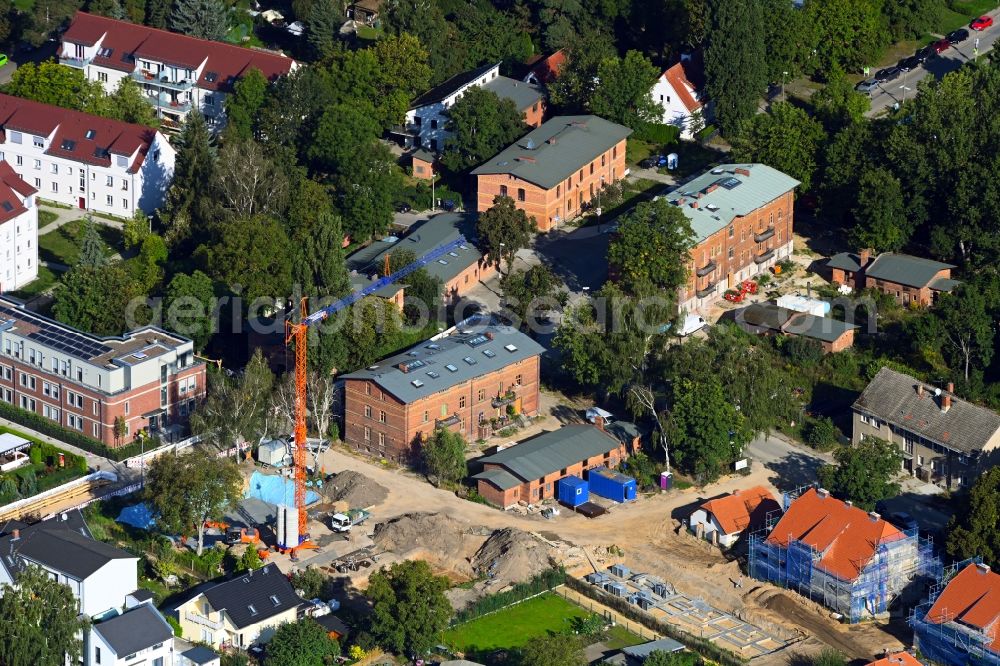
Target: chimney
(874, 516)
(694, 204)
(945, 402)
(951, 387)
(742, 171)
(983, 568)
(711, 188)
(599, 422)
(16, 535)
(848, 503)
(863, 256)
(920, 390)
(822, 492)
(403, 367)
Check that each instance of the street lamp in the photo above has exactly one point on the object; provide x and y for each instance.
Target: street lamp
(783, 75)
(904, 88)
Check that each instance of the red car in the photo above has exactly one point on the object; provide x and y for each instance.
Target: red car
(941, 46)
(982, 23)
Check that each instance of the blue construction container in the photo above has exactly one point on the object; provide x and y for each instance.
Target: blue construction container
(611, 485)
(572, 491)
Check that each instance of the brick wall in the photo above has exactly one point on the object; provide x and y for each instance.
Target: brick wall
(534, 114)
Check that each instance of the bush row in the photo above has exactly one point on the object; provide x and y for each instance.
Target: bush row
(52, 429)
(705, 648)
(491, 603)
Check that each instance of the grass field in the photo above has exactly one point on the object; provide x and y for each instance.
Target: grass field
(46, 278)
(514, 626)
(63, 244)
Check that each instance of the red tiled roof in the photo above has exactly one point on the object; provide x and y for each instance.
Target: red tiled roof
(226, 62)
(897, 659)
(845, 535)
(972, 598)
(547, 70)
(78, 136)
(11, 205)
(677, 78)
(738, 511)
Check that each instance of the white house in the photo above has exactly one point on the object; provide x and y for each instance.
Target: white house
(427, 119)
(85, 161)
(723, 519)
(18, 231)
(176, 73)
(139, 635)
(682, 103)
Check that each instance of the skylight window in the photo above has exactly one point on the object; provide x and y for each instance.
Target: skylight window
(434, 346)
(211, 77)
(489, 353)
(510, 348)
(451, 368)
(478, 340)
(470, 360)
(417, 383)
(432, 374)
(91, 133)
(453, 254)
(413, 353)
(252, 609)
(105, 52)
(442, 262)
(274, 600)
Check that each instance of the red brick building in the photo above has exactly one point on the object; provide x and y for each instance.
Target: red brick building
(530, 471)
(551, 172)
(741, 215)
(906, 278)
(148, 377)
(459, 380)
(767, 318)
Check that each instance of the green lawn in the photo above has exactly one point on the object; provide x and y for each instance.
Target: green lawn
(46, 217)
(46, 278)
(24, 5)
(514, 626)
(619, 637)
(63, 244)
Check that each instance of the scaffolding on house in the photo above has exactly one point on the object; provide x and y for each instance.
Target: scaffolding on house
(950, 642)
(893, 566)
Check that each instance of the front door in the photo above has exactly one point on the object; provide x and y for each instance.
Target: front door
(83, 202)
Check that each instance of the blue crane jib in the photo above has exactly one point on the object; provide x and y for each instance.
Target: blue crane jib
(385, 281)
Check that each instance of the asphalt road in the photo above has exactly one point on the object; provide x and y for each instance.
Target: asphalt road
(905, 87)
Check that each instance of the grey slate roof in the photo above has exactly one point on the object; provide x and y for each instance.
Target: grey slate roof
(766, 315)
(846, 261)
(642, 651)
(421, 239)
(736, 195)
(904, 269)
(443, 90)
(554, 450)
(64, 546)
(892, 397)
(254, 589)
(522, 94)
(575, 142)
(200, 654)
(140, 628)
(825, 329)
(445, 358)
(944, 284)
(500, 478)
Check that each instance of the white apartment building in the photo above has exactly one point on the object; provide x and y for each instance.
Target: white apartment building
(176, 73)
(85, 161)
(18, 231)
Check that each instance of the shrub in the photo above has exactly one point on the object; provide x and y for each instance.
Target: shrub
(52, 429)
(821, 433)
(659, 133)
(175, 625)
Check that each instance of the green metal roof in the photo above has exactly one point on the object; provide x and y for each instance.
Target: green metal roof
(522, 94)
(550, 154)
(553, 451)
(500, 478)
(735, 195)
(905, 269)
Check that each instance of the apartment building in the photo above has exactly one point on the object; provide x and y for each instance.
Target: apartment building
(426, 123)
(944, 439)
(85, 161)
(18, 231)
(147, 377)
(741, 215)
(554, 170)
(459, 380)
(176, 73)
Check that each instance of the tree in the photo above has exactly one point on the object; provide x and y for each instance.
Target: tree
(301, 643)
(190, 307)
(848, 33)
(51, 83)
(423, 291)
(245, 103)
(248, 182)
(526, 293)
(236, 408)
(837, 103)
(120, 430)
(482, 125)
(96, 298)
(425, 21)
(572, 91)
(409, 607)
(664, 658)
(205, 19)
(553, 650)
(135, 229)
(650, 253)
(785, 138)
(864, 472)
(157, 13)
(310, 583)
(822, 433)
(705, 430)
(42, 624)
(253, 254)
(881, 217)
(189, 489)
(250, 560)
(189, 197)
(829, 657)
(579, 344)
(622, 94)
(503, 230)
(47, 16)
(966, 324)
(323, 22)
(444, 456)
(93, 249)
(128, 104)
(974, 528)
(735, 67)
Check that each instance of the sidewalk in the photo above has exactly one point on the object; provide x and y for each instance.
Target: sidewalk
(67, 215)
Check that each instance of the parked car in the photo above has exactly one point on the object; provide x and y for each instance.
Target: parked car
(649, 163)
(957, 36)
(925, 54)
(906, 64)
(448, 205)
(403, 208)
(867, 87)
(982, 23)
(941, 45)
(887, 74)
(3, 60)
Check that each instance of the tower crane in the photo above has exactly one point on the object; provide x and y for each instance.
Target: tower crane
(296, 333)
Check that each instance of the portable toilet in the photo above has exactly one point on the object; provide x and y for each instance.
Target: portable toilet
(572, 491)
(611, 485)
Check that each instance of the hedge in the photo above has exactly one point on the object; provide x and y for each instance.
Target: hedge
(705, 648)
(659, 133)
(47, 427)
(542, 582)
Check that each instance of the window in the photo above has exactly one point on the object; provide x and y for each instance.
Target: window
(520, 194)
(461, 402)
(503, 190)
(159, 660)
(38, 183)
(110, 200)
(20, 160)
(125, 204)
(38, 141)
(434, 123)
(38, 164)
(55, 186)
(602, 160)
(517, 380)
(121, 160)
(368, 389)
(381, 439)
(427, 416)
(732, 231)
(444, 409)
(368, 411)
(368, 434)
(730, 253)
(381, 416)
(55, 168)
(102, 77)
(614, 152)
(482, 395)
(15, 137)
(110, 182)
(97, 655)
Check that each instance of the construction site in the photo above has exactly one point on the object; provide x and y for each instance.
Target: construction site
(848, 560)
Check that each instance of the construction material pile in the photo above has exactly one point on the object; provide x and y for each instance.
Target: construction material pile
(356, 489)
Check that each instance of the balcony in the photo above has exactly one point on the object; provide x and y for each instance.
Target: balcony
(706, 269)
(766, 256)
(74, 62)
(508, 398)
(448, 421)
(764, 235)
(708, 290)
(165, 102)
(149, 78)
(202, 620)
